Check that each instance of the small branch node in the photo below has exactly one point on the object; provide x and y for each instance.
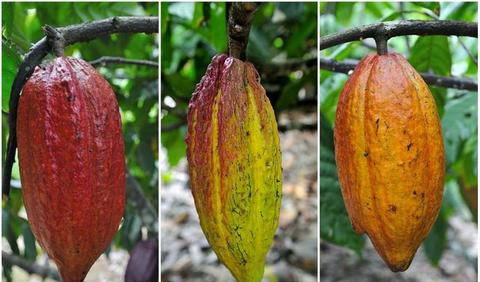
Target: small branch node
(55, 40)
(381, 40)
(115, 22)
(240, 17)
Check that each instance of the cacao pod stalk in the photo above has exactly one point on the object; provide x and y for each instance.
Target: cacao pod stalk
(72, 165)
(235, 165)
(390, 157)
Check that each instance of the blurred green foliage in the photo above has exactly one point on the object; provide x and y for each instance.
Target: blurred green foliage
(137, 93)
(440, 55)
(283, 38)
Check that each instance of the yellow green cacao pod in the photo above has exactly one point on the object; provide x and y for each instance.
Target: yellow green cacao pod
(235, 165)
(390, 156)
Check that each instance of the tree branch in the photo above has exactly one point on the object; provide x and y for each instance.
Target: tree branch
(71, 34)
(29, 266)
(102, 61)
(393, 29)
(431, 79)
(55, 40)
(240, 17)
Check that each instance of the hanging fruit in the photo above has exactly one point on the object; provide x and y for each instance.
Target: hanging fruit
(390, 156)
(235, 165)
(72, 166)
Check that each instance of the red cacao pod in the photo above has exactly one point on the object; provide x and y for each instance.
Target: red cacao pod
(72, 165)
(143, 263)
(390, 156)
(234, 159)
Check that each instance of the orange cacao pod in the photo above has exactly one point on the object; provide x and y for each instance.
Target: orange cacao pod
(72, 165)
(390, 157)
(234, 159)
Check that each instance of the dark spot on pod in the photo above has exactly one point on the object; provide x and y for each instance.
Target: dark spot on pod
(247, 133)
(365, 154)
(423, 195)
(70, 98)
(235, 210)
(392, 208)
(409, 146)
(414, 192)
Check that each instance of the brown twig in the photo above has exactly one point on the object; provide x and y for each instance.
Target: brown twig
(393, 29)
(102, 61)
(240, 15)
(55, 40)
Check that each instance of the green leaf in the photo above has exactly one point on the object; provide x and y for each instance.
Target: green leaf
(374, 8)
(459, 123)
(435, 243)
(392, 16)
(7, 271)
(298, 38)
(164, 18)
(335, 226)
(259, 49)
(7, 16)
(10, 63)
(198, 17)
(218, 27)
(134, 231)
(343, 12)
(292, 10)
(432, 53)
(29, 240)
(125, 9)
(8, 231)
(432, 6)
(174, 142)
(440, 96)
(460, 11)
(330, 90)
(289, 94)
